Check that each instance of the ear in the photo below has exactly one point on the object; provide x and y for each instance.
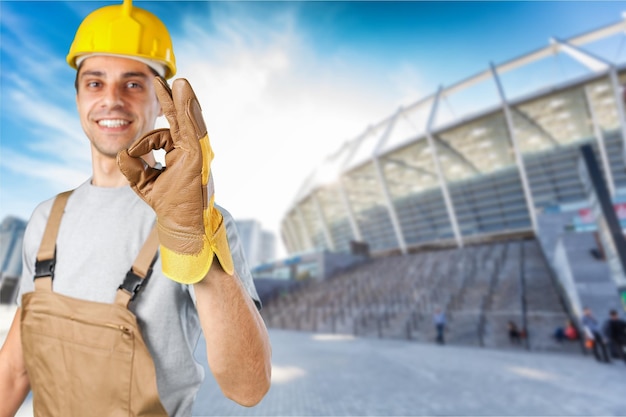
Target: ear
(158, 103)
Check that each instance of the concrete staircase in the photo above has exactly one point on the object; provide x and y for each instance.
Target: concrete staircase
(586, 279)
(478, 286)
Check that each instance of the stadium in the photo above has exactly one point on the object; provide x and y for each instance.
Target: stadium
(469, 199)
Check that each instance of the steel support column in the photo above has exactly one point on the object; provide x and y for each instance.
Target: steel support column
(530, 204)
(356, 230)
(393, 215)
(597, 130)
(288, 240)
(318, 207)
(305, 230)
(619, 101)
(298, 246)
(354, 225)
(599, 64)
(442, 180)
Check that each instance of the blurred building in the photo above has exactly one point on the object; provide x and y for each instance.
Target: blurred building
(268, 246)
(479, 158)
(259, 245)
(11, 238)
(494, 156)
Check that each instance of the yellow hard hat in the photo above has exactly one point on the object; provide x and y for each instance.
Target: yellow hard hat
(127, 31)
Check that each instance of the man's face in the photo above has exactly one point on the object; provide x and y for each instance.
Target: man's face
(116, 102)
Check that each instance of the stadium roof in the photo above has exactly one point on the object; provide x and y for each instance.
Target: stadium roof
(463, 112)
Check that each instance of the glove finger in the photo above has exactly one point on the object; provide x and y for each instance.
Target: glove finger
(146, 181)
(164, 94)
(188, 111)
(132, 168)
(157, 139)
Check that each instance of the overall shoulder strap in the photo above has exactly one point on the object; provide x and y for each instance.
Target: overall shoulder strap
(46, 257)
(140, 271)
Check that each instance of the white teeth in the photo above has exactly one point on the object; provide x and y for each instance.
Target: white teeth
(112, 122)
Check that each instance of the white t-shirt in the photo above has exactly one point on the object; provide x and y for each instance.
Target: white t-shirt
(101, 233)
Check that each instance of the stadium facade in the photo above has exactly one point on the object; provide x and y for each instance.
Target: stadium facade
(478, 160)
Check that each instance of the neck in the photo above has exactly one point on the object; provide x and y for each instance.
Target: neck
(106, 172)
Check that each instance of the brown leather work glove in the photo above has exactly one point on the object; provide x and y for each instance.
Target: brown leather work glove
(191, 230)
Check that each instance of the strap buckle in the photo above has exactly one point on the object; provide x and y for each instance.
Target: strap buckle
(133, 283)
(44, 268)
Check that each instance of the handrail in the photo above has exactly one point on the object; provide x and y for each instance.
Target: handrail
(522, 282)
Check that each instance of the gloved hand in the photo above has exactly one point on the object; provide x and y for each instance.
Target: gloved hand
(191, 230)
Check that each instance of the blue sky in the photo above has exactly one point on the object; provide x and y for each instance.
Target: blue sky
(282, 84)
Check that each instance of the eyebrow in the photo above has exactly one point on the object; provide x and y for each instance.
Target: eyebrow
(130, 74)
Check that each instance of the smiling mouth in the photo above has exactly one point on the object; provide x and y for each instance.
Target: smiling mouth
(112, 123)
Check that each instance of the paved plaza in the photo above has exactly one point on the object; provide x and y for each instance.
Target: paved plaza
(328, 375)
(323, 375)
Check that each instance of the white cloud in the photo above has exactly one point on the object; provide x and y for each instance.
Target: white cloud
(53, 131)
(43, 150)
(273, 108)
(63, 176)
(408, 83)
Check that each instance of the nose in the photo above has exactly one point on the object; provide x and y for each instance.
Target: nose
(112, 97)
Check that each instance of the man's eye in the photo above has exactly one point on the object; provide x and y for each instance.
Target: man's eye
(133, 85)
(93, 84)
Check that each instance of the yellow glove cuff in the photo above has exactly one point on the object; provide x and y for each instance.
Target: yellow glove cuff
(190, 269)
(186, 269)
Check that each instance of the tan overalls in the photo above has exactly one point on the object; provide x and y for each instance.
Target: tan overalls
(87, 358)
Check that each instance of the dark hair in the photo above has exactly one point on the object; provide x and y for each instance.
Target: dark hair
(76, 78)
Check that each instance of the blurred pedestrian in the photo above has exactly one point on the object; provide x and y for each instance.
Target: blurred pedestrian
(439, 319)
(593, 335)
(615, 330)
(515, 336)
(568, 332)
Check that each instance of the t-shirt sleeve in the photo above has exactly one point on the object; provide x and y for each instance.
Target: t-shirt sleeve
(30, 247)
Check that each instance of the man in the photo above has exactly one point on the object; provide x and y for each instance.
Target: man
(595, 334)
(615, 329)
(515, 336)
(439, 320)
(199, 281)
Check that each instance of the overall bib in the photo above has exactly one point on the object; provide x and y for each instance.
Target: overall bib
(87, 358)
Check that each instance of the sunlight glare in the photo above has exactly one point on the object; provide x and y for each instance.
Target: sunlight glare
(282, 374)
